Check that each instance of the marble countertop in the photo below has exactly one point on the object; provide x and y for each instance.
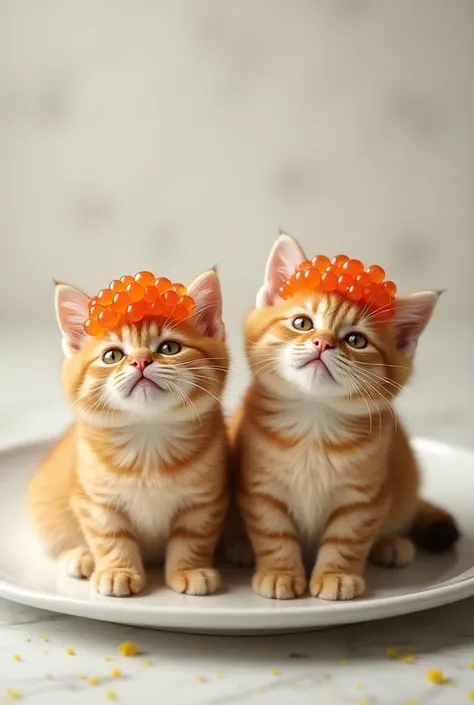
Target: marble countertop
(338, 666)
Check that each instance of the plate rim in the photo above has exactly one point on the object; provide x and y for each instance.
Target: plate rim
(110, 609)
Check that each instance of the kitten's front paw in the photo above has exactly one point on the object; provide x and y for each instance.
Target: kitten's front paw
(336, 586)
(118, 582)
(195, 581)
(279, 585)
(78, 562)
(393, 551)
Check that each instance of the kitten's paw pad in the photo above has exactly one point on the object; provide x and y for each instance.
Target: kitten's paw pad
(118, 582)
(393, 551)
(279, 585)
(240, 552)
(196, 581)
(336, 586)
(78, 562)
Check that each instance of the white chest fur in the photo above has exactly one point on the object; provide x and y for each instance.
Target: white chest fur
(307, 478)
(151, 512)
(150, 444)
(150, 499)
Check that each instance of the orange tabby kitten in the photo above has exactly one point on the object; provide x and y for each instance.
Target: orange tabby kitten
(324, 467)
(141, 474)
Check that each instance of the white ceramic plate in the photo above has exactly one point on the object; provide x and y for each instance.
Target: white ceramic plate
(30, 577)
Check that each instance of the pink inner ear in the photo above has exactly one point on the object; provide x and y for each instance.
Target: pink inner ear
(206, 292)
(71, 311)
(412, 315)
(285, 256)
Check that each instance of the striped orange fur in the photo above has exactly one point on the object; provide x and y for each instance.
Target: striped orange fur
(325, 473)
(141, 474)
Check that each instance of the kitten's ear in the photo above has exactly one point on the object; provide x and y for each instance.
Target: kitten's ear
(285, 256)
(206, 292)
(412, 315)
(72, 309)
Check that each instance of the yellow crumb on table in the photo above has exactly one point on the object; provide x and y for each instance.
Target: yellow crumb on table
(44, 638)
(12, 694)
(408, 659)
(107, 658)
(29, 640)
(471, 695)
(110, 695)
(219, 675)
(275, 672)
(471, 665)
(128, 648)
(148, 664)
(200, 679)
(344, 662)
(436, 676)
(81, 676)
(364, 701)
(70, 652)
(16, 657)
(94, 680)
(360, 686)
(45, 652)
(392, 652)
(116, 673)
(413, 702)
(48, 676)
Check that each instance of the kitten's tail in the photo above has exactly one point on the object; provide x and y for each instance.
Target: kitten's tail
(434, 529)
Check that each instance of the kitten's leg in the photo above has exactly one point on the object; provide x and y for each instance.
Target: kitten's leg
(347, 539)
(395, 550)
(280, 573)
(190, 550)
(118, 565)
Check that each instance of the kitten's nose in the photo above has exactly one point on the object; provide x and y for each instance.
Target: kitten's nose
(323, 344)
(141, 362)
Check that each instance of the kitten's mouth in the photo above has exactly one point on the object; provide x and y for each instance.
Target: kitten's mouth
(318, 363)
(145, 383)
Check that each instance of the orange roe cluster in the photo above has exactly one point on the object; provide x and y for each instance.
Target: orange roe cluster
(131, 299)
(345, 276)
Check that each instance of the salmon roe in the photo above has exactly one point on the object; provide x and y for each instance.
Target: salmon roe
(347, 277)
(131, 299)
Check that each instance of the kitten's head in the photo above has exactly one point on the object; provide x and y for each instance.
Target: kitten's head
(324, 346)
(154, 367)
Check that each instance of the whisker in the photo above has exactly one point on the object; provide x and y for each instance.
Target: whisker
(354, 384)
(384, 364)
(384, 380)
(185, 397)
(205, 390)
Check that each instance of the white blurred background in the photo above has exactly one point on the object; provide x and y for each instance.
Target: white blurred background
(176, 134)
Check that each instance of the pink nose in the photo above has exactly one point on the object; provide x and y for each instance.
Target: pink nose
(141, 362)
(322, 344)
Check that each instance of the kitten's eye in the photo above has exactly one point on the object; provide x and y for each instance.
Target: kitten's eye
(356, 340)
(303, 323)
(169, 347)
(111, 357)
